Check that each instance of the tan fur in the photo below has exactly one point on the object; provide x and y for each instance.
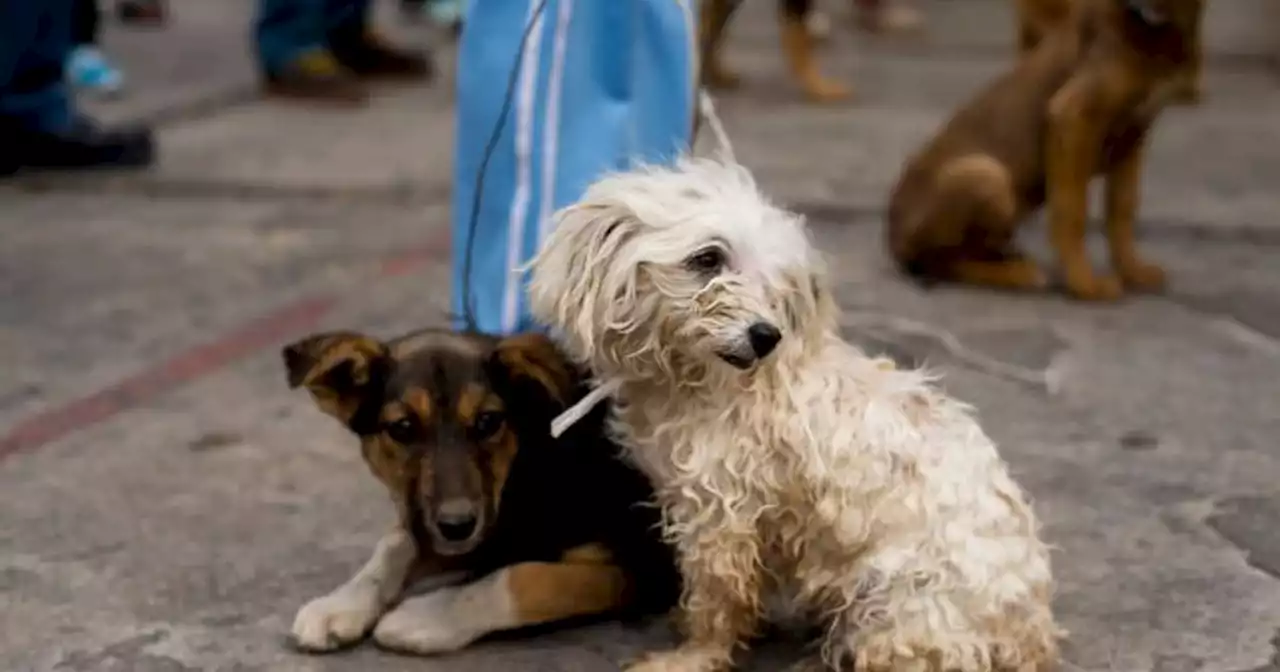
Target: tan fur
(1080, 104)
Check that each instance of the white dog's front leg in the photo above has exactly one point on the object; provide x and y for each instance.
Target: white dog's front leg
(721, 606)
(346, 614)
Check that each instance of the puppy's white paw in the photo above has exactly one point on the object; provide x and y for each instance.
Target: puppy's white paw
(427, 624)
(329, 622)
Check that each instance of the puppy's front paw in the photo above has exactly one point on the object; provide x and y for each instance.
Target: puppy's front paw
(426, 625)
(678, 660)
(335, 620)
(1143, 276)
(1095, 288)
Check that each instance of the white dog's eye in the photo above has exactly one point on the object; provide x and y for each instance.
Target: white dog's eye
(708, 261)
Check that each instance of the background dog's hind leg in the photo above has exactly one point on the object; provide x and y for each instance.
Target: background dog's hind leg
(712, 23)
(965, 232)
(798, 46)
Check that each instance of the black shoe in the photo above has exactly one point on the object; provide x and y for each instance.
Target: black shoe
(83, 145)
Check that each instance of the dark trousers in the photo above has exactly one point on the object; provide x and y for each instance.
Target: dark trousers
(35, 38)
(85, 18)
(285, 29)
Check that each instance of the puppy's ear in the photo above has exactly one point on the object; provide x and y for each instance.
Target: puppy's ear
(344, 372)
(530, 372)
(1149, 12)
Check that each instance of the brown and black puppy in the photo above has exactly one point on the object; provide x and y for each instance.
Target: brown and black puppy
(506, 526)
(1081, 104)
(798, 44)
(1038, 17)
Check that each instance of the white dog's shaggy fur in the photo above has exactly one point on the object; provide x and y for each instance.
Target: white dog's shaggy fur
(869, 500)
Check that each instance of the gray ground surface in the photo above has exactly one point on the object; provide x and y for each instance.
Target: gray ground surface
(167, 504)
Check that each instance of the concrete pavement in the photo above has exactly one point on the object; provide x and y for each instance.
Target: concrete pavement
(167, 504)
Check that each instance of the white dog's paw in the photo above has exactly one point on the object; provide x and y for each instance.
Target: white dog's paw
(427, 624)
(335, 620)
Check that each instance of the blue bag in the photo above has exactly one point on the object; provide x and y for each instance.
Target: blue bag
(603, 83)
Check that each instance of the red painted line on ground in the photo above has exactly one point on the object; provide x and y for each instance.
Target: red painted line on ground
(197, 362)
(55, 423)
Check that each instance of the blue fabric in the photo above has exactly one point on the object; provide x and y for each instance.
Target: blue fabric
(604, 83)
(286, 29)
(35, 39)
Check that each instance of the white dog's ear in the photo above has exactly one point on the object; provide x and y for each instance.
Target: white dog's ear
(583, 284)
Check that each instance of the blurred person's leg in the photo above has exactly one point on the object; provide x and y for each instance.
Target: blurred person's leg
(359, 47)
(87, 67)
(602, 84)
(39, 127)
(85, 19)
(291, 45)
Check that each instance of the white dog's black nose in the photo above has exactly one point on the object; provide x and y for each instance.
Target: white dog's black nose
(764, 338)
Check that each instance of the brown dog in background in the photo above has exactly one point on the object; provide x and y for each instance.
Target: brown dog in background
(1038, 17)
(798, 45)
(505, 525)
(1080, 104)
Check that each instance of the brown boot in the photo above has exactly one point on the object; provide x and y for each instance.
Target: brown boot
(369, 55)
(317, 76)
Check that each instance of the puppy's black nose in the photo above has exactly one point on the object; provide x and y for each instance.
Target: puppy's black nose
(458, 528)
(764, 338)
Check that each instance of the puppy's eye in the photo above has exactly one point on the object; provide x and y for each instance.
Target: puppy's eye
(402, 431)
(708, 261)
(486, 425)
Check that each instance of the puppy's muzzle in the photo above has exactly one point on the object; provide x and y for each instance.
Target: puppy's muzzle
(456, 524)
(761, 340)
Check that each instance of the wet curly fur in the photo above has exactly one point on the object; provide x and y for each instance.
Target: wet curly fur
(855, 495)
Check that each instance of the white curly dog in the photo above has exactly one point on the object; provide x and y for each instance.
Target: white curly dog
(789, 464)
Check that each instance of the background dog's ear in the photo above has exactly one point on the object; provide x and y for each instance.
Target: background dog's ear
(344, 372)
(528, 370)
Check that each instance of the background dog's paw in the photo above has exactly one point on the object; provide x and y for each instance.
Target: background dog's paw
(1096, 288)
(1143, 277)
(827, 91)
(333, 621)
(425, 625)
